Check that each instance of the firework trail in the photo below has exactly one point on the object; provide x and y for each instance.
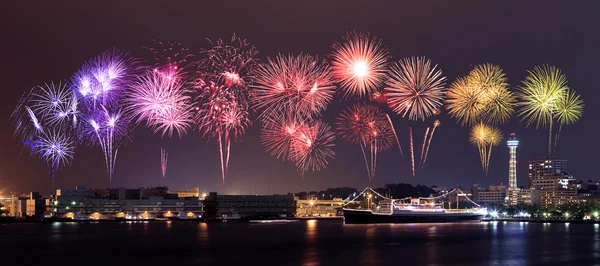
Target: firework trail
(395, 135)
(368, 127)
(300, 84)
(545, 100)
(412, 152)
(360, 64)
(163, 161)
(423, 147)
(222, 93)
(100, 86)
(436, 124)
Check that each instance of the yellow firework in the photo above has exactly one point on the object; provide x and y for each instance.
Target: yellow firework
(545, 99)
(482, 95)
(569, 108)
(542, 89)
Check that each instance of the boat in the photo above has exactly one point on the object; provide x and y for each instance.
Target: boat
(414, 211)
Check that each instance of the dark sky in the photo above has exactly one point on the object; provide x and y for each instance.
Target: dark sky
(46, 41)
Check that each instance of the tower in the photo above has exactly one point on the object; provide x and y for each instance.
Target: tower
(512, 143)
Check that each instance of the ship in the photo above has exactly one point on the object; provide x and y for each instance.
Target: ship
(416, 210)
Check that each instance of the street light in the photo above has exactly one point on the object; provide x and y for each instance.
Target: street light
(596, 214)
(567, 215)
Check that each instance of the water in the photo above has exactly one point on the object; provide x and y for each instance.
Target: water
(299, 243)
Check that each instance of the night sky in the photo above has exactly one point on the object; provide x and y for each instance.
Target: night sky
(46, 41)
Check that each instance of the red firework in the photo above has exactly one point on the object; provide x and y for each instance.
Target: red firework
(360, 63)
(301, 84)
(367, 126)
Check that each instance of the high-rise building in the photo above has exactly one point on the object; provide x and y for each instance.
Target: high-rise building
(540, 168)
(512, 143)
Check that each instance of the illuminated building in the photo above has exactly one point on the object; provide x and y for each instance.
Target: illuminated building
(318, 208)
(123, 203)
(539, 168)
(548, 198)
(512, 143)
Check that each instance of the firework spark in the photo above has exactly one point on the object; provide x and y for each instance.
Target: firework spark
(412, 150)
(163, 161)
(416, 88)
(423, 146)
(367, 126)
(360, 63)
(301, 84)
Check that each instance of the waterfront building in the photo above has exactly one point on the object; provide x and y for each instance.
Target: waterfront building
(121, 203)
(493, 195)
(512, 143)
(539, 168)
(248, 206)
(319, 208)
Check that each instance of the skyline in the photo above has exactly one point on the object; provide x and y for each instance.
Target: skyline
(252, 166)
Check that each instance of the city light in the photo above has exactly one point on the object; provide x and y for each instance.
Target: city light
(73, 203)
(494, 214)
(567, 214)
(596, 214)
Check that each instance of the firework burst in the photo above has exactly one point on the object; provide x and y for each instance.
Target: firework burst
(301, 84)
(481, 96)
(545, 99)
(360, 64)
(313, 147)
(43, 122)
(416, 88)
(170, 58)
(164, 103)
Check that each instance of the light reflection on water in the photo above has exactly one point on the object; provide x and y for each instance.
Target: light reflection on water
(310, 243)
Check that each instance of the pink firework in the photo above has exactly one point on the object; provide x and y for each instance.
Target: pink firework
(367, 126)
(163, 102)
(416, 88)
(301, 84)
(360, 63)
